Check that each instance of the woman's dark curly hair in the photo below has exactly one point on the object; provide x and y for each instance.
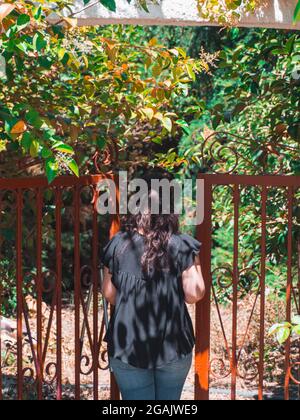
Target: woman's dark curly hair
(157, 229)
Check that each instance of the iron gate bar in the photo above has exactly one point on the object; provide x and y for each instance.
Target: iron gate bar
(77, 289)
(39, 215)
(58, 209)
(264, 197)
(289, 290)
(95, 283)
(202, 321)
(114, 228)
(234, 362)
(19, 295)
(203, 310)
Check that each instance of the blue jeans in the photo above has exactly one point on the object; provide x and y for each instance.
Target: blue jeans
(162, 383)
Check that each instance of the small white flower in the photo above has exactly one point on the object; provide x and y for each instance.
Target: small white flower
(2, 67)
(296, 73)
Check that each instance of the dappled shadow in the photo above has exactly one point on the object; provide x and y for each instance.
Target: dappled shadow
(49, 392)
(150, 325)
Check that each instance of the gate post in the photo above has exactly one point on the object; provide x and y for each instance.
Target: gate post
(114, 228)
(202, 350)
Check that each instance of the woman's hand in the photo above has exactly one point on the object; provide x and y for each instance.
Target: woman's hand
(108, 289)
(193, 283)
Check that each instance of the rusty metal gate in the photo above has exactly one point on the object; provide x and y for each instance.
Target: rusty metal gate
(35, 216)
(229, 354)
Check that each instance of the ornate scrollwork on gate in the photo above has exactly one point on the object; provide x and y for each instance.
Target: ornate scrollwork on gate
(223, 152)
(104, 161)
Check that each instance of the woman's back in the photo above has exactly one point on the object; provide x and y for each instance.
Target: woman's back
(150, 326)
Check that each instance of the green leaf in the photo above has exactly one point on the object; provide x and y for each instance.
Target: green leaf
(184, 125)
(296, 329)
(274, 329)
(167, 123)
(297, 12)
(109, 4)
(38, 42)
(157, 140)
(22, 22)
(38, 13)
(51, 169)
(283, 334)
(191, 72)
(46, 153)
(45, 62)
(296, 320)
(290, 45)
(182, 52)
(34, 148)
(23, 46)
(64, 148)
(149, 113)
(101, 143)
(156, 70)
(34, 119)
(74, 167)
(143, 4)
(26, 141)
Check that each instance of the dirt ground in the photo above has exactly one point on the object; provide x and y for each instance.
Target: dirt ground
(247, 342)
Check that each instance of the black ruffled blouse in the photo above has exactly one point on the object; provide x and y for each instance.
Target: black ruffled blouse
(150, 325)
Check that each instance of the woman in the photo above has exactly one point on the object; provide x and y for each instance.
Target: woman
(151, 272)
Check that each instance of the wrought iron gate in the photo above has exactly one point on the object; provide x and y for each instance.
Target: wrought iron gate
(32, 212)
(236, 363)
(34, 215)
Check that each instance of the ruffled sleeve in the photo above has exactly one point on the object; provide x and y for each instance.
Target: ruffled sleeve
(189, 248)
(108, 259)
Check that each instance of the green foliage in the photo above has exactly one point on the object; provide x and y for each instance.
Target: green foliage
(285, 330)
(252, 97)
(66, 90)
(255, 97)
(8, 298)
(96, 85)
